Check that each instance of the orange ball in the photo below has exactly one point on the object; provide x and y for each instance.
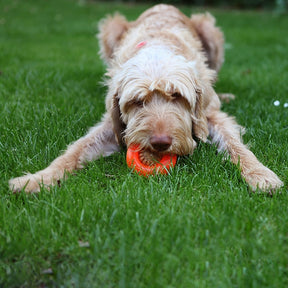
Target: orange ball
(162, 166)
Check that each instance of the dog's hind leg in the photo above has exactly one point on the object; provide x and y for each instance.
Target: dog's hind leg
(226, 134)
(100, 141)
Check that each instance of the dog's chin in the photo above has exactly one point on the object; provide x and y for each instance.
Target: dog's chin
(150, 157)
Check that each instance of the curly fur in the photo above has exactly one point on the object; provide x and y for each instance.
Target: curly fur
(161, 71)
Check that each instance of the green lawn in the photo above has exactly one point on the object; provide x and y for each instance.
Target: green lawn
(106, 226)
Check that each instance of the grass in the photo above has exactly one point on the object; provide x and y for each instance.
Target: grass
(106, 226)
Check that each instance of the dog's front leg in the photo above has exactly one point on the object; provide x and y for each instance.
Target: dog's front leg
(226, 134)
(100, 141)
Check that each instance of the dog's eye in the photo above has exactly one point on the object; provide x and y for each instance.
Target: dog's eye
(139, 103)
(176, 95)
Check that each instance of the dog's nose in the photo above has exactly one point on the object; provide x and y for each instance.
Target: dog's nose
(161, 142)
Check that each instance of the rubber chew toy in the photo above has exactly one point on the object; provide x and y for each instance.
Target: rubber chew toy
(162, 166)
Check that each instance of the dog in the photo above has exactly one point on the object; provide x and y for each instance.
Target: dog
(160, 74)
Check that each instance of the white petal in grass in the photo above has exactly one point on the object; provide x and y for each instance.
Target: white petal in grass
(285, 105)
(276, 103)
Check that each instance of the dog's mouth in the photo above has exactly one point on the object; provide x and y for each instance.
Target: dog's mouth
(149, 158)
(147, 162)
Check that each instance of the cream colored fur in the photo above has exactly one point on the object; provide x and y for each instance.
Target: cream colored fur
(161, 70)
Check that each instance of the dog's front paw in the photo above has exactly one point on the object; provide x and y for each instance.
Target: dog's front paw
(264, 179)
(28, 183)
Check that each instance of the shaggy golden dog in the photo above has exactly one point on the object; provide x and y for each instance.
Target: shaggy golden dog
(161, 70)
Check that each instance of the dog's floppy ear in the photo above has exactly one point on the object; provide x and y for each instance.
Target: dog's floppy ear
(212, 39)
(111, 31)
(118, 125)
(199, 120)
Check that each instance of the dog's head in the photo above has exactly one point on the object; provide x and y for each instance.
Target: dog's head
(157, 99)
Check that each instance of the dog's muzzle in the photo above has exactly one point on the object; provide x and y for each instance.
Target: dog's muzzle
(160, 142)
